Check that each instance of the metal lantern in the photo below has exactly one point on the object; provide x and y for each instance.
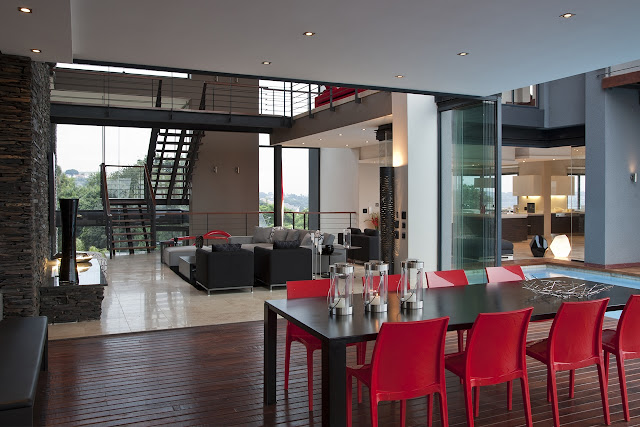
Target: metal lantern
(376, 286)
(412, 284)
(341, 290)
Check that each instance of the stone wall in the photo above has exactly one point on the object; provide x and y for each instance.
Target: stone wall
(25, 138)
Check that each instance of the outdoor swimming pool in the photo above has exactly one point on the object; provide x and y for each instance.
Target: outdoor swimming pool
(545, 271)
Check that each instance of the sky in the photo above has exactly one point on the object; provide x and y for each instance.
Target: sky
(80, 148)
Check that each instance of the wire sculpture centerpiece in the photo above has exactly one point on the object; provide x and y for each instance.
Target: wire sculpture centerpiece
(565, 287)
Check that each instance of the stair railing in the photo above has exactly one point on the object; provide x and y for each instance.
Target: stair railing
(106, 203)
(151, 202)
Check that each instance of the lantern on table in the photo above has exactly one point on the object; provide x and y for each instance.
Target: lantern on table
(411, 284)
(376, 286)
(341, 289)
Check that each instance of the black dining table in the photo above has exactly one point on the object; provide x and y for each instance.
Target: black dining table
(461, 303)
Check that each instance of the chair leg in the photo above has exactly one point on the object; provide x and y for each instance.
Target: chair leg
(430, 410)
(361, 354)
(603, 393)
(468, 404)
(606, 365)
(403, 412)
(287, 356)
(349, 398)
(476, 398)
(509, 395)
(374, 410)
(623, 386)
(524, 383)
(572, 382)
(310, 377)
(554, 397)
(460, 341)
(548, 387)
(444, 410)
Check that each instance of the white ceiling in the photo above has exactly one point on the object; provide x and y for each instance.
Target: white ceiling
(353, 136)
(512, 43)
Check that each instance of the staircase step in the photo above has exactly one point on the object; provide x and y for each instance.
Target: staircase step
(131, 241)
(140, 221)
(130, 233)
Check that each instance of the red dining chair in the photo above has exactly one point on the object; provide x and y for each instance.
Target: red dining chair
(510, 273)
(623, 343)
(495, 354)
(310, 289)
(575, 341)
(445, 279)
(404, 367)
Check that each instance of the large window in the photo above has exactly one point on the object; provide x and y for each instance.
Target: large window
(508, 199)
(577, 200)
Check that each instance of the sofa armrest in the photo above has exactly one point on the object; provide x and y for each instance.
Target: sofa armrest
(240, 239)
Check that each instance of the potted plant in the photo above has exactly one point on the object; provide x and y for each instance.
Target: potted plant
(374, 219)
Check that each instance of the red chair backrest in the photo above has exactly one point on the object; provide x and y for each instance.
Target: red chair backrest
(392, 281)
(408, 355)
(216, 234)
(628, 324)
(445, 279)
(576, 332)
(510, 273)
(308, 288)
(496, 343)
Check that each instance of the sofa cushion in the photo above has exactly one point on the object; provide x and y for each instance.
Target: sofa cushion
(286, 244)
(354, 230)
(293, 235)
(229, 247)
(279, 235)
(262, 234)
(328, 239)
(371, 232)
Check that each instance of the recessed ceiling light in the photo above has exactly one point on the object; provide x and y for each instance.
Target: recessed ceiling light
(36, 51)
(463, 53)
(567, 15)
(367, 142)
(303, 143)
(25, 9)
(347, 145)
(309, 33)
(319, 139)
(266, 62)
(339, 134)
(553, 159)
(399, 76)
(363, 129)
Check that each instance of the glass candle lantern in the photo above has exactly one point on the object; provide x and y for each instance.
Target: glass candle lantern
(412, 284)
(376, 285)
(341, 290)
(347, 238)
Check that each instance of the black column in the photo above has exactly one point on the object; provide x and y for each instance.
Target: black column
(277, 185)
(314, 188)
(387, 215)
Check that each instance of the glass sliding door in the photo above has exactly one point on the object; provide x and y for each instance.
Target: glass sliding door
(469, 208)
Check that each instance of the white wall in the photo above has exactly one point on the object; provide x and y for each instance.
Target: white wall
(369, 192)
(338, 187)
(226, 190)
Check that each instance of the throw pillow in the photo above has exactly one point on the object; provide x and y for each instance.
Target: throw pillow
(328, 239)
(293, 235)
(280, 235)
(262, 234)
(306, 241)
(284, 244)
(355, 230)
(227, 247)
(370, 232)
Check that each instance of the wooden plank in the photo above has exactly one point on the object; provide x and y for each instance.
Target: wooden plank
(213, 375)
(621, 80)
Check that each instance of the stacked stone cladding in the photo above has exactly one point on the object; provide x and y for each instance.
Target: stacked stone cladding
(25, 148)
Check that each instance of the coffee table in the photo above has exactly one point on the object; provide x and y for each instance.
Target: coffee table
(461, 303)
(187, 268)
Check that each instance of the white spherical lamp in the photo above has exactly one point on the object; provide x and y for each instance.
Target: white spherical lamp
(560, 246)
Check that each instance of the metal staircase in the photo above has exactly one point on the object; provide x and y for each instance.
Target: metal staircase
(171, 159)
(129, 208)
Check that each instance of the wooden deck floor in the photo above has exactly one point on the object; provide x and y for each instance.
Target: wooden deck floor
(212, 375)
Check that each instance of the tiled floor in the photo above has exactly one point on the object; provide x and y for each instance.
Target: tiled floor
(144, 294)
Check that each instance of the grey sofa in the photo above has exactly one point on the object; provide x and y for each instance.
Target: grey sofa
(368, 243)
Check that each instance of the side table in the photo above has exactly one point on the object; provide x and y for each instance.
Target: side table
(187, 268)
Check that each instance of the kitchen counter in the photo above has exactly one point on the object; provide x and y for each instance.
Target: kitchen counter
(518, 227)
